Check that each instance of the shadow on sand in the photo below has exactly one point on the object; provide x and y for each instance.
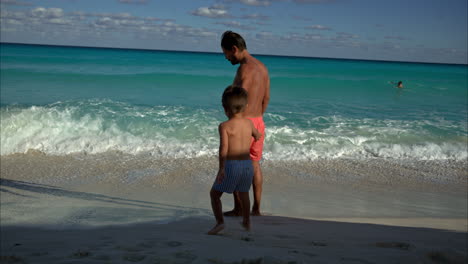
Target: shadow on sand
(274, 239)
(15, 187)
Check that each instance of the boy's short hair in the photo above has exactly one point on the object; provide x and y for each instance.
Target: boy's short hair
(234, 99)
(231, 39)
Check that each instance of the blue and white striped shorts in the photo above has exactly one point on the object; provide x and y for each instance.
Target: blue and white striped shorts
(238, 176)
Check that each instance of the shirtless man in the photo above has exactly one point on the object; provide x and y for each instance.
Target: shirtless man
(251, 75)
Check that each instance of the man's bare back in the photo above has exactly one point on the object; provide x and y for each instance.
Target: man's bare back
(252, 75)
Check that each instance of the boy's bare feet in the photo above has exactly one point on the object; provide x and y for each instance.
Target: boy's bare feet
(233, 213)
(216, 229)
(246, 226)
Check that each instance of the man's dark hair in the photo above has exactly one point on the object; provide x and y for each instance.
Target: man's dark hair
(234, 99)
(231, 39)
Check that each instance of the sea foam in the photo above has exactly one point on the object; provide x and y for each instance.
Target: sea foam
(99, 126)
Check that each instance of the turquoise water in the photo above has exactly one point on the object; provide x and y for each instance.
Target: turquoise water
(63, 100)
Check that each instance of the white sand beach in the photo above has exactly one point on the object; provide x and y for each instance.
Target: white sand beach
(110, 209)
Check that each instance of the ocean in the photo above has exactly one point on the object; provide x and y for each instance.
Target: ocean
(143, 120)
(64, 100)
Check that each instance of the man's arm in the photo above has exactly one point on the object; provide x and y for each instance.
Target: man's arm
(266, 97)
(244, 77)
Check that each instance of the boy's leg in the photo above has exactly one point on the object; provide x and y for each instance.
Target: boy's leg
(245, 200)
(217, 211)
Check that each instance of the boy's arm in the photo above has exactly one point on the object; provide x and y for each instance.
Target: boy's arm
(223, 151)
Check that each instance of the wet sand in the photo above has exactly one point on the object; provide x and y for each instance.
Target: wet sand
(115, 208)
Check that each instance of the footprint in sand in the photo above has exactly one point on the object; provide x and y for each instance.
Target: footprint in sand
(285, 237)
(81, 254)
(247, 238)
(397, 245)
(446, 257)
(129, 248)
(303, 253)
(102, 257)
(185, 256)
(174, 244)
(318, 244)
(146, 244)
(133, 257)
(246, 261)
(357, 260)
(11, 259)
(181, 257)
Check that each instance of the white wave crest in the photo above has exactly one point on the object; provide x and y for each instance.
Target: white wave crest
(177, 132)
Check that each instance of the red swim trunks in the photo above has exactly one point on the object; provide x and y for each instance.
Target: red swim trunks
(256, 147)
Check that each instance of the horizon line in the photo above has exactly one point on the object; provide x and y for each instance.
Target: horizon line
(212, 52)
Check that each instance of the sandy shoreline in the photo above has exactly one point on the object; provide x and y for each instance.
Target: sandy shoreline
(274, 239)
(111, 209)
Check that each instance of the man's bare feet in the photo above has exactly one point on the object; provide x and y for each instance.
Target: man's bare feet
(245, 225)
(216, 229)
(233, 213)
(256, 213)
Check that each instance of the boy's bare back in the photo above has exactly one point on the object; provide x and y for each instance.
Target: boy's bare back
(236, 135)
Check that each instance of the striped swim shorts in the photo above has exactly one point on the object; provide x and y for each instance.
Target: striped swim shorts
(238, 175)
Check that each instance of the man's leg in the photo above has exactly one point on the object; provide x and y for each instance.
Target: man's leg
(257, 187)
(237, 211)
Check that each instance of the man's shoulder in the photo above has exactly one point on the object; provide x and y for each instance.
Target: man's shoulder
(251, 68)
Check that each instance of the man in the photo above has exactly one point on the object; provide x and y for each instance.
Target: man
(251, 75)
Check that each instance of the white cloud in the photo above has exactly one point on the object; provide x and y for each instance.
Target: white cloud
(264, 35)
(47, 13)
(251, 2)
(106, 22)
(256, 2)
(6, 14)
(15, 2)
(216, 11)
(256, 17)
(59, 21)
(302, 18)
(313, 37)
(318, 27)
(344, 36)
(40, 24)
(395, 37)
(235, 24)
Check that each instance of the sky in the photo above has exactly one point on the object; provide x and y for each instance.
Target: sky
(432, 31)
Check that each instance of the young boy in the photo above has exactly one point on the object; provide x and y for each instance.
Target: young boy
(235, 167)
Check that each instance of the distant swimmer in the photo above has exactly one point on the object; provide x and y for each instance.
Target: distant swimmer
(398, 84)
